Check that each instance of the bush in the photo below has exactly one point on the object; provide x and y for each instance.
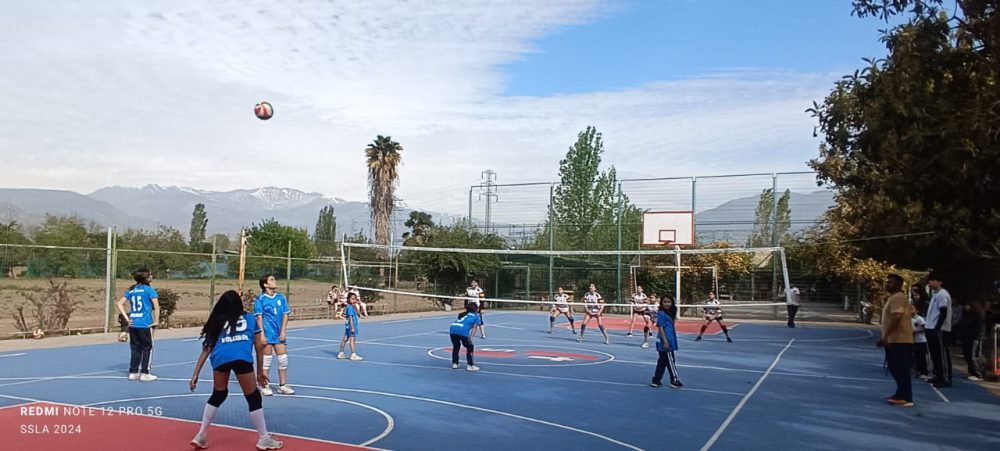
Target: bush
(50, 310)
(168, 303)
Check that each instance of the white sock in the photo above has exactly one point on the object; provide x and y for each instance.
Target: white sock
(257, 417)
(206, 418)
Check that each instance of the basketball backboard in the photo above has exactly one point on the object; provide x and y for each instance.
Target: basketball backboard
(662, 228)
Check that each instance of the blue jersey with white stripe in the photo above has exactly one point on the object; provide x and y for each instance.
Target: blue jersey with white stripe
(351, 318)
(272, 310)
(463, 327)
(140, 301)
(237, 345)
(667, 323)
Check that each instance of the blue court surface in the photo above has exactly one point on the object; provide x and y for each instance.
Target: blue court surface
(812, 387)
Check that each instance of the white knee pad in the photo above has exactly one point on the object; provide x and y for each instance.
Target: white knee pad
(282, 361)
(267, 361)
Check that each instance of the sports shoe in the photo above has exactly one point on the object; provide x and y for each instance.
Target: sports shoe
(286, 390)
(266, 391)
(580, 339)
(550, 331)
(729, 340)
(146, 377)
(607, 341)
(656, 385)
(356, 358)
(628, 334)
(472, 368)
(133, 376)
(644, 345)
(676, 384)
(574, 331)
(975, 378)
(454, 366)
(267, 442)
(698, 338)
(341, 356)
(900, 403)
(199, 441)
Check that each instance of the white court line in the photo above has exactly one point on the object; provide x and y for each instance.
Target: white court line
(479, 409)
(508, 327)
(775, 373)
(390, 422)
(18, 398)
(295, 330)
(725, 424)
(533, 376)
(411, 319)
(406, 336)
(940, 395)
(72, 376)
(14, 355)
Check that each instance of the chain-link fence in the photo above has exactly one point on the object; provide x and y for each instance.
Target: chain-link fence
(42, 283)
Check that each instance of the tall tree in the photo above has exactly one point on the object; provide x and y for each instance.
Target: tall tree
(11, 233)
(587, 204)
(383, 159)
(69, 231)
(763, 233)
(267, 248)
(420, 223)
(912, 142)
(199, 222)
(325, 234)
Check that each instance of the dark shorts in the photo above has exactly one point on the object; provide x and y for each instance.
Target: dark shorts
(236, 366)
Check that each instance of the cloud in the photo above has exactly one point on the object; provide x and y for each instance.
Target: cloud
(130, 93)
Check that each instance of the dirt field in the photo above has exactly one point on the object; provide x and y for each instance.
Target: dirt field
(306, 296)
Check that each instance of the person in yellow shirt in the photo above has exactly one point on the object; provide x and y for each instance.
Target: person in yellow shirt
(897, 338)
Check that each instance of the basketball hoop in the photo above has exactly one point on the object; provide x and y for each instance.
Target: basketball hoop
(667, 228)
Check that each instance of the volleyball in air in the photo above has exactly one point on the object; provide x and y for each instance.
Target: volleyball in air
(263, 110)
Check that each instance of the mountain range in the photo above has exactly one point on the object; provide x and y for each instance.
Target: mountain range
(154, 205)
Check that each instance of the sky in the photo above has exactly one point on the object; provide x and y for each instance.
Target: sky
(118, 92)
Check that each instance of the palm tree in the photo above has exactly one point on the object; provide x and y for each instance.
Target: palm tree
(383, 157)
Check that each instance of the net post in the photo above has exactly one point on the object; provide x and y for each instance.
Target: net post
(107, 285)
(774, 240)
(211, 286)
(677, 275)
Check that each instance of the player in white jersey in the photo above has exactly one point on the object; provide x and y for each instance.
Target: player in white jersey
(474, 295)
(594, 308)
(713, 312)
(640, 303)
(560, 306)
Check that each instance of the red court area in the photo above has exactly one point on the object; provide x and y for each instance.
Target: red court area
(44, 426)
(683, 327)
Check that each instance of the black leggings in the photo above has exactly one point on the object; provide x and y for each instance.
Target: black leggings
(141, 342)
(457, 341)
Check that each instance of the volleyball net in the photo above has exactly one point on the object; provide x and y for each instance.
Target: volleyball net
(747, 281)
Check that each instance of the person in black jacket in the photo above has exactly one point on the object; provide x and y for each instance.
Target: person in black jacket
(970, 335)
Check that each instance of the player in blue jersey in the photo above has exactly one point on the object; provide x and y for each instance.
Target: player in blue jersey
(143, 315)
(461, 332)
(271, 310)
(350, 327)
(230, 338)
(666, 344)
